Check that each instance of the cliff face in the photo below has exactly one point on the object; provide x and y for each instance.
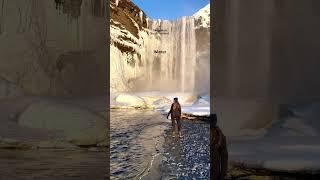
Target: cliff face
(127, 27)
(202, 23)
(269, 51)
(53, 47)
(125, 14)
(157, 54)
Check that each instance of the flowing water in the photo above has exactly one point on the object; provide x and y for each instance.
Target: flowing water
(142, 146)
(135, 141)
(164, 57)
(175, 56)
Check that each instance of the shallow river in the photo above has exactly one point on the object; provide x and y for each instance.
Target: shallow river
(142, 146)
(135, 141)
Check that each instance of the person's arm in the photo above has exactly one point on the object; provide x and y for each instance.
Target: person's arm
(180, 110)
(169, 111)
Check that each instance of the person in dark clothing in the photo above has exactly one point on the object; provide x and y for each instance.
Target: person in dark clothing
(218, 151)
(175, 112)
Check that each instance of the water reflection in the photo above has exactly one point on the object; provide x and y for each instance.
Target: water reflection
(135, 137)
(52, 164)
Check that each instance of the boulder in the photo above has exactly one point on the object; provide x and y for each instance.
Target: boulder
(131, 101)
(78, 126)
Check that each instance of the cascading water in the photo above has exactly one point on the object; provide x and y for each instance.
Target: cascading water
(159, 55)
(171, 54)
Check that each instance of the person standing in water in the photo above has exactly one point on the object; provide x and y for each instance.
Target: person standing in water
(175, 112)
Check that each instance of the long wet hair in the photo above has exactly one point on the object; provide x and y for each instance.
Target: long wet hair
(213, 120)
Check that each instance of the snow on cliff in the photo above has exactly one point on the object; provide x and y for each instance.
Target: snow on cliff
(202, 17)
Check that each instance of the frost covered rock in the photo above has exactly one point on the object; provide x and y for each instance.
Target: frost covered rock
(141, 16)
(136, 67)
(297, 126)
(147, 19)
(77, 125)
(202, 17)
(240, 116)
(42, 67)
(131, 101)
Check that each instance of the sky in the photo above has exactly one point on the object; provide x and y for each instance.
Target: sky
(170, 9)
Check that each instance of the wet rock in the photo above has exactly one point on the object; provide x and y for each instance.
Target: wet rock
(190, 156)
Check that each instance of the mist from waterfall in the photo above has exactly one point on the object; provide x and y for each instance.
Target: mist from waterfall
(164, 55)
(170, 55)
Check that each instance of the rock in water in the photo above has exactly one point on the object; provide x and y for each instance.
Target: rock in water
(79, 126)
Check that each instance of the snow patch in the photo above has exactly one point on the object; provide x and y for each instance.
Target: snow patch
(141, 16)
(162, 102)
(290, 143)
(130, 100)
(203, 15)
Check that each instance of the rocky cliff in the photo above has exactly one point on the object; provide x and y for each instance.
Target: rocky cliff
(151, 54)
(53, 47)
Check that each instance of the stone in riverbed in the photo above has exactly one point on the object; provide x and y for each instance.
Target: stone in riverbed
(76, 125)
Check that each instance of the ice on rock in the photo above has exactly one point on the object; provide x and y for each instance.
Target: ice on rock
(203, 15)
(130, 100)
(161, 102)
(180, 48)
(141, 16)
(117, 2)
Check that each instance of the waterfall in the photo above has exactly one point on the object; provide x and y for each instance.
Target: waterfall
(170, 54)
(162, 57)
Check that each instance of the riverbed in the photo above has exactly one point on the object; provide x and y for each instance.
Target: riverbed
(142, 147)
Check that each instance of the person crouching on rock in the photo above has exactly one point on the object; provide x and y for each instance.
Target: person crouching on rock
(218, 151)
(175, 112)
